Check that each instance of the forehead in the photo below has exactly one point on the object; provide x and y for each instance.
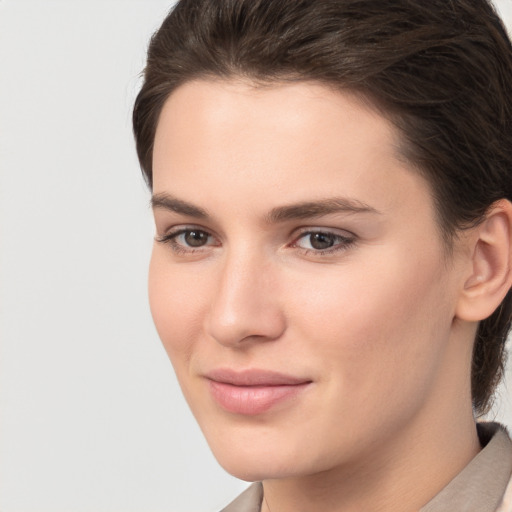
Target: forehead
(308, 109)
(287, 142)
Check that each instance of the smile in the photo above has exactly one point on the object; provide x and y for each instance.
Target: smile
(253, 392)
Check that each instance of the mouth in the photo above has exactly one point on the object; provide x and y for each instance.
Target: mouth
(253, 392)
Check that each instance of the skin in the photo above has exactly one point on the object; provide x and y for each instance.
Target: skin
(373, 325)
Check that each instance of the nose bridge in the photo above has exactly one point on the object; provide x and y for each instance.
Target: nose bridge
(244, 305)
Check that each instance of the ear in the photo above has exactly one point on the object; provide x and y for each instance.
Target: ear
(489, 274)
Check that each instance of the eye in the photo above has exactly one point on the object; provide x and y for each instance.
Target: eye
(322, 242)
(193, 238)
(187, 240)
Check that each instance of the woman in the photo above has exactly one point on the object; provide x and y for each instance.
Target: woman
(331, 274)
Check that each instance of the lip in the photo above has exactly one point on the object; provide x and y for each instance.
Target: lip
(253, 392)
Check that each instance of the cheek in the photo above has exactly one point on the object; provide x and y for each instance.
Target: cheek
(176, 306)
(376, 334)
(378, 320)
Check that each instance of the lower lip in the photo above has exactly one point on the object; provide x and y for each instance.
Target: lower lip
(252, 400)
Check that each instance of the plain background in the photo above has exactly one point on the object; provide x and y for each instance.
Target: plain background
(91, 415)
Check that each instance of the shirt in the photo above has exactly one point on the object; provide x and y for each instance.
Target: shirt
(484, 485)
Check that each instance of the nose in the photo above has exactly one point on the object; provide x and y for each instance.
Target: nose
(246, 303)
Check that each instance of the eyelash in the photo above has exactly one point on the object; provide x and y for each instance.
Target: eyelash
(170, 239)
(342, 243)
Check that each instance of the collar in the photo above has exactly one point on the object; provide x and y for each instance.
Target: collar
(481, 485)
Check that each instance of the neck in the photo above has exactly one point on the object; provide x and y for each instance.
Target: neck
(403, 477)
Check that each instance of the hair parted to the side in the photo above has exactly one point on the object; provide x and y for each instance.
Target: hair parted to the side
(440, 70)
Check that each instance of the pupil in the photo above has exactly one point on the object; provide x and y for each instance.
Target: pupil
(196, 238)
(321, 241)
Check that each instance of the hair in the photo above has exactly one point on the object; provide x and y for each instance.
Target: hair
(440, 71)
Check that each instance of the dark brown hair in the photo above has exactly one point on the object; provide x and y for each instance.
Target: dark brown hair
(440, 70)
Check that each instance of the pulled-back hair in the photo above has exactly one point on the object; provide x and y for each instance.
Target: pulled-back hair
(439, 70)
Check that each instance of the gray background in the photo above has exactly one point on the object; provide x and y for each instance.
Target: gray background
(91, 415)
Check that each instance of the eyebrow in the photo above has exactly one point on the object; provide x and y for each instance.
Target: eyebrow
(168, 202)
(312, 209)
(303, 210)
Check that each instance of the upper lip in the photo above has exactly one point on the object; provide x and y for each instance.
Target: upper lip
(254, 377)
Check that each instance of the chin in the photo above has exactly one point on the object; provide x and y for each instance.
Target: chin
(259, 456)
(254, 468)
(244, 470)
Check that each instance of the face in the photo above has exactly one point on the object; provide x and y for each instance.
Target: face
(298, 280)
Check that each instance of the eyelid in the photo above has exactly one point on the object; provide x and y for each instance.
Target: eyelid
(171, 234)
(346, 240)
(181, 228)
(342, 233)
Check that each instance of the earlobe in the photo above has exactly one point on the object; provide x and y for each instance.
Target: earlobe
(490, 269)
